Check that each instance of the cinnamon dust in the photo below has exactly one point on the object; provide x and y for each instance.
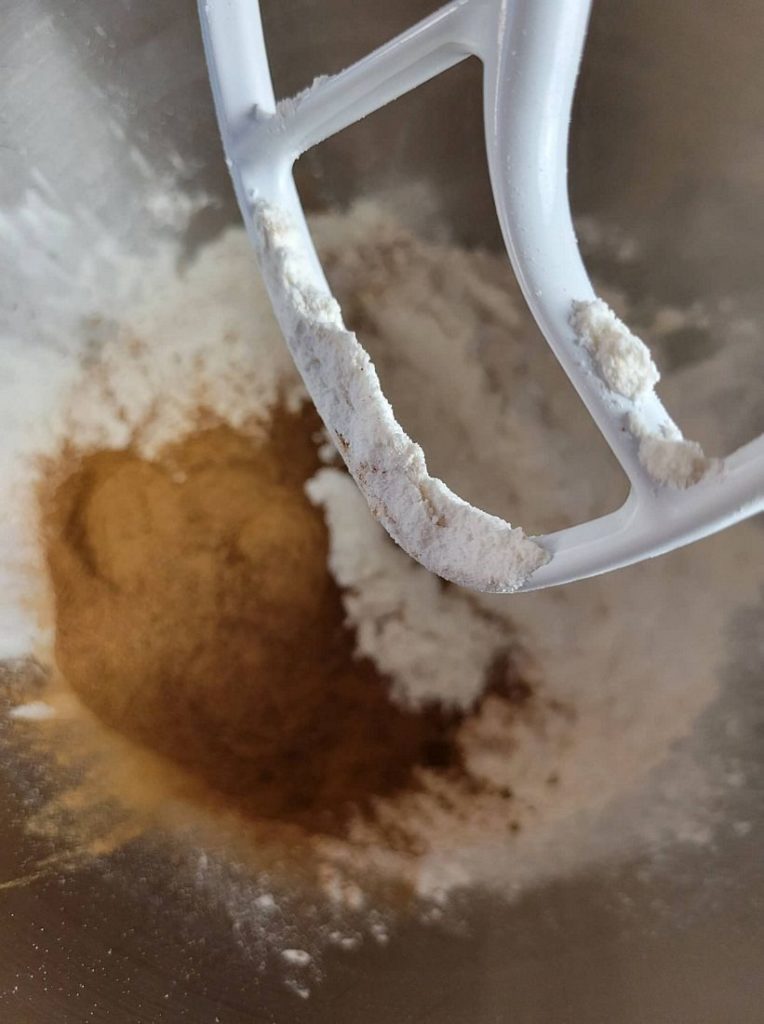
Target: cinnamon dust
(195, 614)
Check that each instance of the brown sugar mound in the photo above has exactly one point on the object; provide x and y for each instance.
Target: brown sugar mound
(195, 614)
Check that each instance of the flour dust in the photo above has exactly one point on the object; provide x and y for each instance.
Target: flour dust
(599, 764)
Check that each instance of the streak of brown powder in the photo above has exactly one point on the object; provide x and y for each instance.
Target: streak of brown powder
(196, 616)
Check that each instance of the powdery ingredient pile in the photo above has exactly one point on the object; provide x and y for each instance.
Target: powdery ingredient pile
(195, 614)
(229, 606)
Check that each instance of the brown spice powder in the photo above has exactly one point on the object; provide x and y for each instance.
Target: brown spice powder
(195, 614)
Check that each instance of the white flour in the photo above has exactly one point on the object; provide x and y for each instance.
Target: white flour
(404, 619)
(624, 360)
(104, 310)
(449, 335)
(623, 664)
(435, 526)
(670, 458)
(627, 367)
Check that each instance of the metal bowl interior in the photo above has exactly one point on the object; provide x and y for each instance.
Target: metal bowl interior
(667, 144)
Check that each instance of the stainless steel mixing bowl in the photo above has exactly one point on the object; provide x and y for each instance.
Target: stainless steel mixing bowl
(668, 145)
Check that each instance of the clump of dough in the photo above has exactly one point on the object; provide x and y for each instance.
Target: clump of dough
(623, 359)
(669, 458)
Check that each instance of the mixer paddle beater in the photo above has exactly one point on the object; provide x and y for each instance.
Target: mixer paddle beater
(530, 51)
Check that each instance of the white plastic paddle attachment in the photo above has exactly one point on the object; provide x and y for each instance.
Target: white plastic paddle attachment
(530, 51)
